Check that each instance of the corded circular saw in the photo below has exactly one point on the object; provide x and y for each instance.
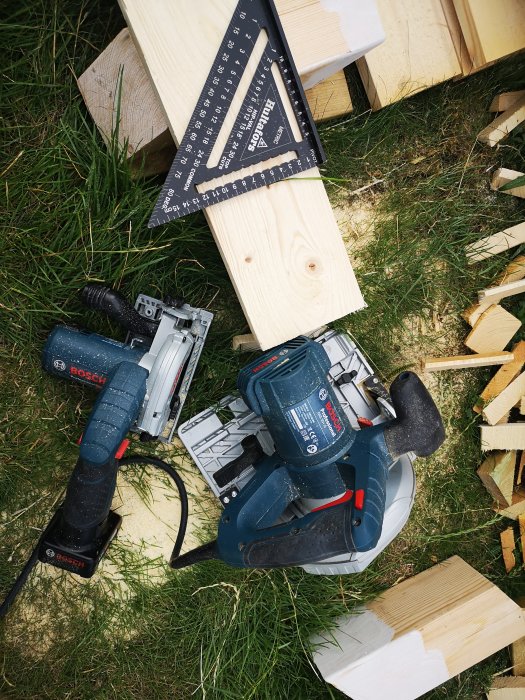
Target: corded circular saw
(313, 462)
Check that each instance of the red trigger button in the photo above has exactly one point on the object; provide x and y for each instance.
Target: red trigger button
(359, 499)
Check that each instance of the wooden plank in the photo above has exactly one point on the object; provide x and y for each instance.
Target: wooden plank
(503, 376)
(496, 243)
(502, 176)
(493, 330)
(491, 29)
(418, 52)
(497, 476)
(517, 650)
(505, 100)
(493, 411)
(502, 291)
(419, 633)
(518, 505)
(503, 437)
(248, 342)
(507, 548)
(280, 244)
(330, 98)
(436, 364)
(519, 476)
(507, 688)
(504, 124)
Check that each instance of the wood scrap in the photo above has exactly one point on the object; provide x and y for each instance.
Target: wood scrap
(496, 243)
(280, 244)
(503, 176)
(518, 505)
(504, 124)
(502, 291)
(505, 100)
(497, 476)
(330, 98)
(521, 465)
(491, 29)
(507, 688)
(517, 653)
(504, 402)
(514, 271)
(418, 633)
(508, 545)
(503, 376)
(248, 342)
(437, 364)
(493, 330)
(503, 437)
(418, 52)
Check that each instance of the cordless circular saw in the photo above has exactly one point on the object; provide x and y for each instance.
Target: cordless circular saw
(314, 462)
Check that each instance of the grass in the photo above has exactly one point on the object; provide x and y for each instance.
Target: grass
(72, 213)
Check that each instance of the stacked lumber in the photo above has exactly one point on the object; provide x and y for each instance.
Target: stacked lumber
(418, 634)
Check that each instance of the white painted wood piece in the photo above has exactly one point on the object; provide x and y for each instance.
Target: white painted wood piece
(418, 634)
(496, 243)
(280, 244)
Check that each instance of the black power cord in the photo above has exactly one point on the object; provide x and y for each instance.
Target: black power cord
(134, 459)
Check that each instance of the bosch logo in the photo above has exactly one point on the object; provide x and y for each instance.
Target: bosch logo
(60, 365)
(323, 394)
(92, 377)
(333, 416)
(50, 553)
(265, 363)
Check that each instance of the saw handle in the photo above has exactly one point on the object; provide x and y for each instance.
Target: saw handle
(92, 484)
(418, 426)
(110, 302)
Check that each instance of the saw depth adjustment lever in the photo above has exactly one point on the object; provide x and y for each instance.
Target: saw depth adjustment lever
(337, 474)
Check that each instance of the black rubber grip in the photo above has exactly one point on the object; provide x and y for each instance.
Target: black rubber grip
(418, 426)
(107, 300)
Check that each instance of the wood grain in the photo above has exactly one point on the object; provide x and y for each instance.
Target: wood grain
(330, 98)
(504, 100)
(280, 244)
(503, 437)
(497, 475)
(504, 124)
(503, 376)
(506, 688)
(418, 52)
(437, 364)
(491, 29)
(496, 243)
(503, 176)
(493, 330)
(508, 398)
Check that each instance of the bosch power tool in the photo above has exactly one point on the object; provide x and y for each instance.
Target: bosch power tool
(143, 384)
(314, 469)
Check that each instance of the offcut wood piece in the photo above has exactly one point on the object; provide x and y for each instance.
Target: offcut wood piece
(507, 688)
(418, 52)
(493, 330)
(504, 124)
(248, 342)
(517, 650)
(497, 476)
(418, 634)
(496, 243)
(503, 437)
(436, 364)
(280, 244)
(502, 291)
(503, 376)
(508, 545)
(505, 100)
(491, 29)
(521, 465)
(518, 505)
(509, 397)
(503, 176)
(117, 89)
(514, 271)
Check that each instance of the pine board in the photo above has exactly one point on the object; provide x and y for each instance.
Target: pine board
(492, 28)
(506, 688)
(281, 245)
(496, 243)
(508, 398)
(503, 176)
(504, 124)
(497, 476)
(503, 376)
(502, 291)
(437, 364)
(493, 330)
(505, 100)
(503, 437)
(418, 634)
(418, 52)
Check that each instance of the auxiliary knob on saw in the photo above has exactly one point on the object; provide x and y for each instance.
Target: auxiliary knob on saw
(334, 476)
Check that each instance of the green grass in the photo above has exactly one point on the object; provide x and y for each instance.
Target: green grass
(71, 213)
